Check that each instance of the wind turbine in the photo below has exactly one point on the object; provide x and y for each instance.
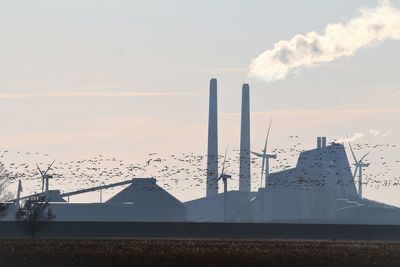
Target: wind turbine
(225, 178)
(45, 177)
(359, 165)
(265, 158)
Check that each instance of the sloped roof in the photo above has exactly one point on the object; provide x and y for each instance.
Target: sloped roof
(54, 196)
(145, 191)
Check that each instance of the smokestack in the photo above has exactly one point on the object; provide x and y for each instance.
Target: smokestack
(212, 151)
(319, 142)
(244, 172)
(323, 142)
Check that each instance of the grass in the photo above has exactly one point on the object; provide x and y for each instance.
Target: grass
(197, 253)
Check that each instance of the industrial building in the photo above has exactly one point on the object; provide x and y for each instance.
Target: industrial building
(141, 200)
(319, 189)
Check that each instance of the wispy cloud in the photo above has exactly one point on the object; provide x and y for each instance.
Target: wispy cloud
(10, 96)
(324, 113)
(338, 40)
(93, 94)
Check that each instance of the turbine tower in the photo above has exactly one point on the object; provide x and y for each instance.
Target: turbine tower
(225, 178)
(359, 164)
(265, 158)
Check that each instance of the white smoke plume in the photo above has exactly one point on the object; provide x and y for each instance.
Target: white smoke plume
(355, 137)
(338, 40)
(374, 132)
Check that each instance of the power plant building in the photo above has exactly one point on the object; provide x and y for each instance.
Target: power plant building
(319, 189)
(141, 200)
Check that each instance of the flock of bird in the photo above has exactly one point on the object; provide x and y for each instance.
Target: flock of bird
(175, 172)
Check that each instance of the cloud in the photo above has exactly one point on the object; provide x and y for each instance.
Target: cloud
(338, 40)
(10, 96)
(92, 94)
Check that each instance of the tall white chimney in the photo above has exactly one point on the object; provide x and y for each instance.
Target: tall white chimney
(323, 141)
(244, 171)
(319, 142)
(212, 151)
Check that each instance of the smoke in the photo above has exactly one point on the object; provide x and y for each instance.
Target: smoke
(339, 40)
(374, 132)
(355, 137)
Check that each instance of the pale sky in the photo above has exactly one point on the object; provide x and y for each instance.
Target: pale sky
(128, 78)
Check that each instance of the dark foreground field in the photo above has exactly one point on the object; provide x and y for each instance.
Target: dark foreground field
(197, 253)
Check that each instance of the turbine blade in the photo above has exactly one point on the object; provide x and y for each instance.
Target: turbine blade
(266, 139)
(257, 154)
(49, 167)
(216, 181)
(364, 156)
(352, 152)
(40, 171)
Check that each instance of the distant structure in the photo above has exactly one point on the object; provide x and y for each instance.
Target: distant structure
(265, 157)
(45, 177)
(141, 200)
(244, 171)
(359, 164)
(225, 178)
(308, 192)
(212, 151)
(232, 206)
(319, 189)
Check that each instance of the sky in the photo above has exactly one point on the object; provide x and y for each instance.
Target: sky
(129, 78)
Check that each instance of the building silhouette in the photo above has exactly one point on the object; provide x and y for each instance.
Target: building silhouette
(319, 189)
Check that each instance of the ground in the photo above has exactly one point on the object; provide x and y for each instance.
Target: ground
(197, 253)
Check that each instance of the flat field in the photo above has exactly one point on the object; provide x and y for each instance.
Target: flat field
(197, 253)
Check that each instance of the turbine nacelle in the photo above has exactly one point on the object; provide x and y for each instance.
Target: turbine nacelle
(224, 177)
(361, 164)
(45, 177)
